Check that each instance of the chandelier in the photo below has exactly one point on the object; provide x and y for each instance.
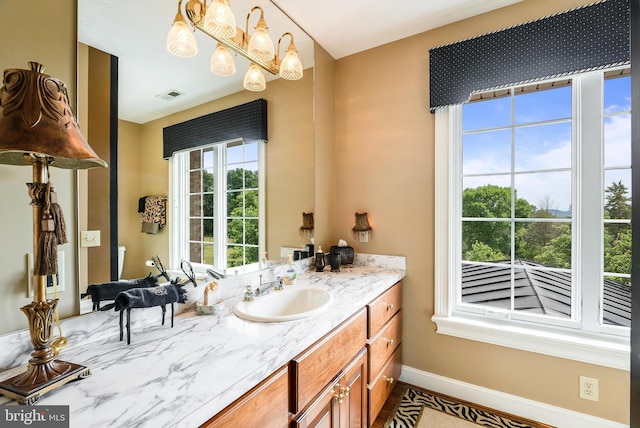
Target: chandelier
(218, 22)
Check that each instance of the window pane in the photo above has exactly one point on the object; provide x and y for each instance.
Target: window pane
(207, 155)
(208, 184)
(207, 254)
(194, 159)
(235, 179)
(617, 140)
(235, 231)
(486, 152)
(486, 285)
(550, 191)
(542, 292)
(251, 175)
(543, 105)
(251, 231)
(251, 255)
(195, 252)
(617, 194)
(251, 151)
(252, 203)
(544, 243)
(486, 241)
(195, 185)
(207, 230)
(195, 205)
(486, 114)
(195, 229)
(235, 204)
(617, 94)
(207, 205)
(543, 147)
(235, 154)
(616, 301)
(235, 255)
(488, 201)
(617, 248)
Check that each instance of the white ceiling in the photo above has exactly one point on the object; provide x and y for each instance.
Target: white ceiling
(136, 31)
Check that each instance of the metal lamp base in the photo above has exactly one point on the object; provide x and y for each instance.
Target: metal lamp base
(30, 393)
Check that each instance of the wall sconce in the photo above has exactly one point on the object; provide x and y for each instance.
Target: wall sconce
(38, 129)
(307, 225)
(362, 229)
(218, 22)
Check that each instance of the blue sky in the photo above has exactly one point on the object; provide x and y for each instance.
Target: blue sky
(541, 150)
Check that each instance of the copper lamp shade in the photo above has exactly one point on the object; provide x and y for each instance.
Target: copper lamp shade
(36, 120)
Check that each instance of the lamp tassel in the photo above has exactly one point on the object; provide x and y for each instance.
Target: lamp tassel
(46, 262)
(58, 218)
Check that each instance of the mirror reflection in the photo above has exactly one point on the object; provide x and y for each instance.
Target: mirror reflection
(145, 73)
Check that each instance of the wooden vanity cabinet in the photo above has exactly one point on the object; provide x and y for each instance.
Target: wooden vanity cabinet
(317, 366)
(265, 405)
(384, 337)
(342, 404)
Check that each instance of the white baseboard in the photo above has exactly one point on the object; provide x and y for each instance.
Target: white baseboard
(534, 410)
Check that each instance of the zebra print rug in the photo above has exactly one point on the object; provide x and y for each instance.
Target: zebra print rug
(409, 411)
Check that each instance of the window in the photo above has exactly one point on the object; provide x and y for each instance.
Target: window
(219, 212)
(533, 223)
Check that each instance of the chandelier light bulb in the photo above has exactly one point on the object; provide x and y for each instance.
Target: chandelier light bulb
(254, 79)
(222, 63)
(180, 40)
(219, 19)
(291, 67)
(260, 44)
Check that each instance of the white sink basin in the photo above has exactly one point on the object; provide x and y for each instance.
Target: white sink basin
(290, 304)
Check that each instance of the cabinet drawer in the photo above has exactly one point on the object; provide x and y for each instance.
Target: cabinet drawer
(384, 344)
(312, 370)
(383, 308)
(382, 386)
(264, 406)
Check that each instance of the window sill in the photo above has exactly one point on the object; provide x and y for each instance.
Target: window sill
(601, 350)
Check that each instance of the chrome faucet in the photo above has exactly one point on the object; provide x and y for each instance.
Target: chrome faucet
(277, 285)
(215, 274)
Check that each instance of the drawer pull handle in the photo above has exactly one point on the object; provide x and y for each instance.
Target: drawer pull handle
(390, 342)
(339, 397)
(390, 380)
(390, 307)
(346, 390)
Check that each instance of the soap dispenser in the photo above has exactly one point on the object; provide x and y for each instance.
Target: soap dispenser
(291, 274)
(319, 260)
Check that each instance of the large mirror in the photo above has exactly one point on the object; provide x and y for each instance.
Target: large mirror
(141, 169)
(114, 37)
(146, 73)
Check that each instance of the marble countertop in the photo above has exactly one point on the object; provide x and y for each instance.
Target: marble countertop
(181, 376)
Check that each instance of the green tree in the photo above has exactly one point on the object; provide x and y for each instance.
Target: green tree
(481, 252)
(618, 204)
(617, 253)
(557, 252)
(490, 201)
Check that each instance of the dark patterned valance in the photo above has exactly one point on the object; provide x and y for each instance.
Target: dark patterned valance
(247, 121)
(588, 38)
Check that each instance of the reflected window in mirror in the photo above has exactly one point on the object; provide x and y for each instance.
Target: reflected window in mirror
(219, 201)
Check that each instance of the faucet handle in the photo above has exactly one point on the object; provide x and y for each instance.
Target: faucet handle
(248, 295)
(279, 284)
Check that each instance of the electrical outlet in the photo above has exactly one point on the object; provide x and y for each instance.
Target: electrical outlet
(588, 388)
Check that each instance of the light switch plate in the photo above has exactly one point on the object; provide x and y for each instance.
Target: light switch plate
(90, 238)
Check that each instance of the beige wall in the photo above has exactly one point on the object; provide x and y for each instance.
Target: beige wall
(384, 165)
(289, 179)
(56, 50)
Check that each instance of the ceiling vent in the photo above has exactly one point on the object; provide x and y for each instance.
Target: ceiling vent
(171, 94)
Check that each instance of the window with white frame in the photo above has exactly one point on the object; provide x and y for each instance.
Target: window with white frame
(533, 218)
(219, 210)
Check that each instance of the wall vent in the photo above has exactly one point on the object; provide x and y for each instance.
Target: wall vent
(171, 94)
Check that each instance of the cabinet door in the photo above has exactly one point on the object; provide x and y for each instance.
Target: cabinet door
(264, 406)
(353, 386)
(323, 412)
